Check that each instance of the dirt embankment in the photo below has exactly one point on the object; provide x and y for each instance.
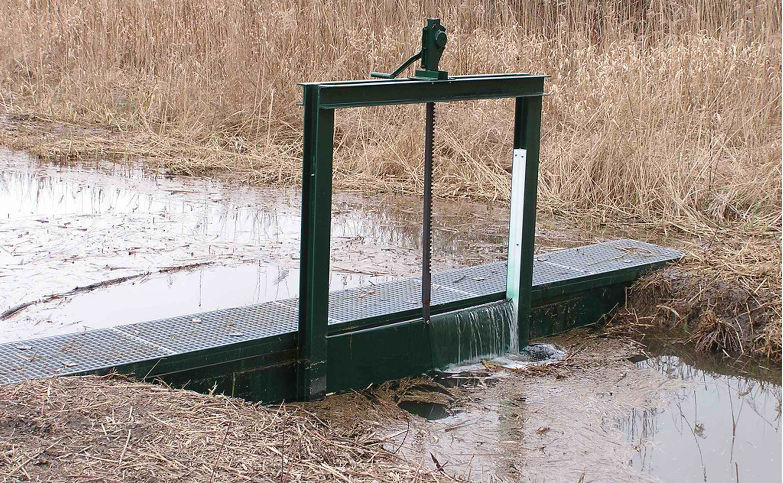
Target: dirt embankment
(720, 298)
(112, 429)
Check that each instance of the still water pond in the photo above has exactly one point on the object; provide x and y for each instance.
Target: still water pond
(92, 245)
(723, 426)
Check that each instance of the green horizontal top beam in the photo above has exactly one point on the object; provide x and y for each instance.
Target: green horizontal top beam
(337, 95)
(413, 79)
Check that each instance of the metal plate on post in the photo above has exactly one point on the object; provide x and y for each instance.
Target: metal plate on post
(518, 167)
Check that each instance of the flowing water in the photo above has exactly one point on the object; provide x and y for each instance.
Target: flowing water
(476, 333)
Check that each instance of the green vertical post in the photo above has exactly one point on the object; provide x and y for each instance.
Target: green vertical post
(314, 260)
(522, 225)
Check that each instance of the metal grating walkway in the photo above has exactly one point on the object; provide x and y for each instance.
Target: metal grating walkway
(126, 344)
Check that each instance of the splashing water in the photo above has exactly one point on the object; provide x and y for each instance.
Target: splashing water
(473, 334)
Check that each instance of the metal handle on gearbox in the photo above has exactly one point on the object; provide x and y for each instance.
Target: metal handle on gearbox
(399, 69)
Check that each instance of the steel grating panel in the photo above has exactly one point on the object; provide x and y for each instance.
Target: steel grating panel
(127, 344)
(545, 273)
(608, 257)
(383, 299)
(216, 328)
(71, 354)
(474, 281)
(491, 278)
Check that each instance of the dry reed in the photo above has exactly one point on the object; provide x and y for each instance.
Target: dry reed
(105, 429)
(657, 111)
(662, 114)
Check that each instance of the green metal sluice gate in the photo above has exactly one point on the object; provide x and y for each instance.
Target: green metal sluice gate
(323, 342)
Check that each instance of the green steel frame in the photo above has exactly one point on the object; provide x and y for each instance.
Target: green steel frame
(320, 100)
(360, 352)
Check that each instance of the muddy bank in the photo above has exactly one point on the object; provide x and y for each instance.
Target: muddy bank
(712, 314)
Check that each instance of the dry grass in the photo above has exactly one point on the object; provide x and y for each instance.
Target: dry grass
(665, 115)
(713, 313)
(104, 429)
(669, 110)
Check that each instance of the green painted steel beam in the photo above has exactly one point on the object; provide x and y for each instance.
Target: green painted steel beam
(411, 91)
(315, 254)
(413, 79)
(373, 350)
(522, 224)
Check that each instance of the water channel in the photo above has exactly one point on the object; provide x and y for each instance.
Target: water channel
(98, 244)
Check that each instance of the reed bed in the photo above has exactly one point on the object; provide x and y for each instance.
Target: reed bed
(668, 109)
(665, 115)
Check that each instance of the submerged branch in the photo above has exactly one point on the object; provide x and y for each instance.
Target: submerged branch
(10, 312)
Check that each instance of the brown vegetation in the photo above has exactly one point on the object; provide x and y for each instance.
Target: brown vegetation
(106, 429)
(714, 314)
(665, 115)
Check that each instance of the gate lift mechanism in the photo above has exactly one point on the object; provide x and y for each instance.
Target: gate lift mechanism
(433, 42)
(429, 85)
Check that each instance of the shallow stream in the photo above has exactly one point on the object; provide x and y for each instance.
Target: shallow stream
(99, 244)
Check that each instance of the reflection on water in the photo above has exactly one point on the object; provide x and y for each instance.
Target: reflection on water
(169, 295)
(71, 225)
(211, 209)
(721, 428)
(31, 195)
